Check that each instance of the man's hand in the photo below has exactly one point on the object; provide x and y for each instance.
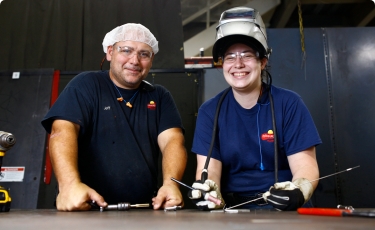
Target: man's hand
(288, 196)
(168, 196)
(200, 195)
(76, 197)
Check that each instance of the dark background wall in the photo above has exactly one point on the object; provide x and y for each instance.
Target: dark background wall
(67, 35)
(23, 103)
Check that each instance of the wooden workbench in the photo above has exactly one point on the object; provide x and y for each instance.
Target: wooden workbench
(181, 219)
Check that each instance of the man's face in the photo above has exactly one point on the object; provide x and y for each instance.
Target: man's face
(130, 63)
(242, 67)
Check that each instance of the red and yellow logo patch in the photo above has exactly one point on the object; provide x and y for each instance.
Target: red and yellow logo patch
(151, 105)
(267, 136)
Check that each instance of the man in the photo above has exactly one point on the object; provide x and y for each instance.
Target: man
(242, 167)
(107, 128)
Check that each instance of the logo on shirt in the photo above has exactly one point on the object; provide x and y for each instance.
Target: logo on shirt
(151, 105)
(267, 136)
(107, 108)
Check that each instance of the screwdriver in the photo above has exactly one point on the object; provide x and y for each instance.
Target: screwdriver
(206, 195)
(120, 206)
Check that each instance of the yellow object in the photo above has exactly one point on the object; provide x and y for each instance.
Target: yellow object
(7, 140)
(5, 200)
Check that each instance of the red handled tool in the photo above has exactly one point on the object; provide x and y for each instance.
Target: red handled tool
(334, 212)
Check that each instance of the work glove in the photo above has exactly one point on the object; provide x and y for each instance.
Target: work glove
(288, 196)
(206, 196)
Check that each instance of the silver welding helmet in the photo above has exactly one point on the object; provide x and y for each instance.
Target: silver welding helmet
(241, 25)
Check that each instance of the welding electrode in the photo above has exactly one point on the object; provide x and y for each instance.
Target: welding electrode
(268, 193)
(206, 195)
(124, 206)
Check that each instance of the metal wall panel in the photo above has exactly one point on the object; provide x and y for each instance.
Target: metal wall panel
(23, 104)
(308, 79)
(351, 53)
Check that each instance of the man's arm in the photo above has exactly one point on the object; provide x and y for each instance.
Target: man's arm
(304, 165)
(63, 149)
(171, 143)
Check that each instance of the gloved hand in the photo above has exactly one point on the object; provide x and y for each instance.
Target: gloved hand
(288, 196)
(206, 196)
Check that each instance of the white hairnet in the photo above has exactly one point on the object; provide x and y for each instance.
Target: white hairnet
(130, 32)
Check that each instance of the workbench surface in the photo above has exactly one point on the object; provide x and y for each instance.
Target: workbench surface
(180, 219)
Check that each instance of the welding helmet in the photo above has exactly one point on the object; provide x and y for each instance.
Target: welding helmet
(241, 25)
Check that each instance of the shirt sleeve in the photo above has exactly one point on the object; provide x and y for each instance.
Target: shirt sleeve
(169, 114)
(72, 105)
(299, 130)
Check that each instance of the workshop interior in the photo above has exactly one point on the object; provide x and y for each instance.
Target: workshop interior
(323, 50)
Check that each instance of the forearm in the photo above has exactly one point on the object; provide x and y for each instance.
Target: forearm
(174, 158)
(63, 148)
(304, 165)
(174, 164)
(171, 144)
(214, 169)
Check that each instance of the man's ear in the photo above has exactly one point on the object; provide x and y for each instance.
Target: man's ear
(152, 59)
(263, 62)
(109, 53)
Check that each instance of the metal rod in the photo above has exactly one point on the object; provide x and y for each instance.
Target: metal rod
(333, 174)
(140, 205)
(187, 186)
(298, 186)
(244, 203)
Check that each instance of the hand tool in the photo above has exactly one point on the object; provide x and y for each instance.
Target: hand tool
(206, 195)
(299, 185)
(345, 207)
(173, 208)
(120, 206)
(124, 206)
(334, 212)
(230, 210)
(7, 140)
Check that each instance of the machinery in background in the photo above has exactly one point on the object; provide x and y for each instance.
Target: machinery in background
(7, 140)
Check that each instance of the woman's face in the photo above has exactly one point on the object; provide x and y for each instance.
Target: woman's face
(242, 67)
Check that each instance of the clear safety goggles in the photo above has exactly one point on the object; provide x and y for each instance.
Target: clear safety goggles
(244, 56)
(129, 52)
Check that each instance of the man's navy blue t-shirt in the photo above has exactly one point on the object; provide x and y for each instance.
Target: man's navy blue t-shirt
(118, 150)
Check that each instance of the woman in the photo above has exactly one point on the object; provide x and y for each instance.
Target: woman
(242, 167)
